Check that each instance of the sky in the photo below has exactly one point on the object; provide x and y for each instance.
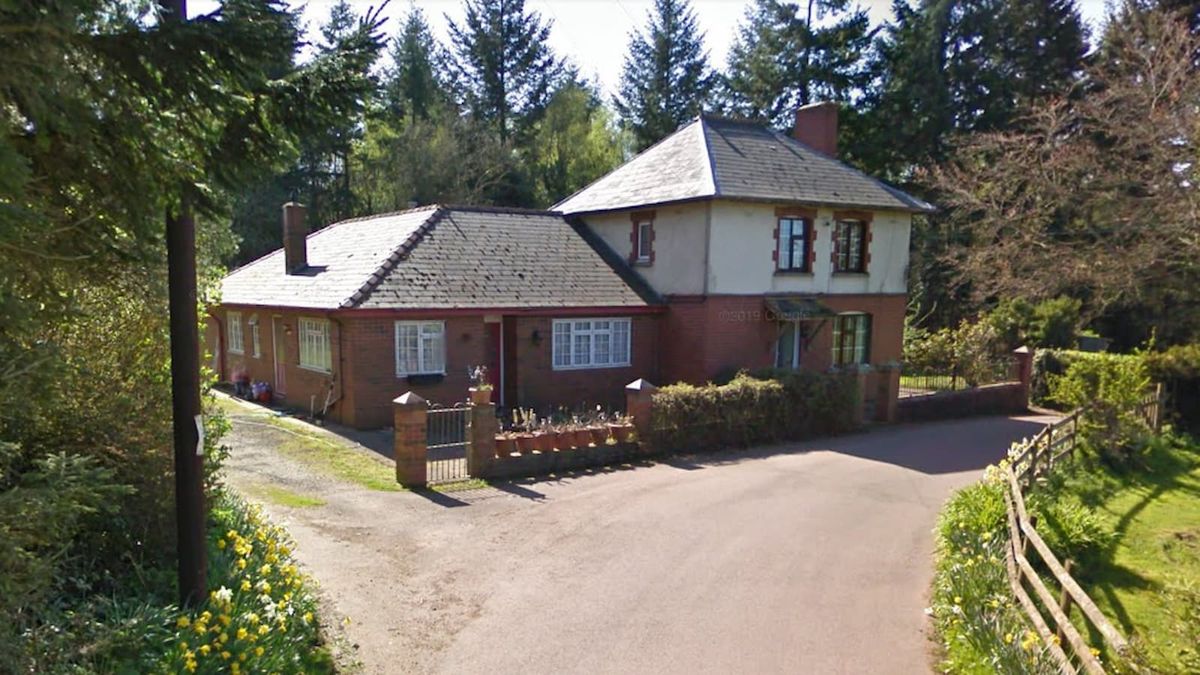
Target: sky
(594, 33)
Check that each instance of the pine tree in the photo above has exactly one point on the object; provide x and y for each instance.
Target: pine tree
(781, 59)
(506, 67)
(411, 86)
(666, 79)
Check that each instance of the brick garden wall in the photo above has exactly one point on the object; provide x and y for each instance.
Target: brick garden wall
(993, 399)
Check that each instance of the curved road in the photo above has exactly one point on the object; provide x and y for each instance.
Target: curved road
(805, 558)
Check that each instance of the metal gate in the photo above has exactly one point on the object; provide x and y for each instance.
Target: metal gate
(446, 437)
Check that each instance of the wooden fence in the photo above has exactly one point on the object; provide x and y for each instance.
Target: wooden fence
(1038, 456)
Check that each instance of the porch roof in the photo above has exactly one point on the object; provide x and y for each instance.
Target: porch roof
(797, 308)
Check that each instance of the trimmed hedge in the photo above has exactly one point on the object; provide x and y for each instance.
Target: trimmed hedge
(1178, 368)
(763, 406)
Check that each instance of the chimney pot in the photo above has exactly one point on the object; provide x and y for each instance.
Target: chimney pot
(817, 127)
(295, 231)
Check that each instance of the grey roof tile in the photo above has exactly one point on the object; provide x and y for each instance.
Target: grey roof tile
(444, 257)
(735, 160)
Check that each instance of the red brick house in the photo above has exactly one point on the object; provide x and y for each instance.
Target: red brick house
(766, 249)
(726, 245)
(357, 313)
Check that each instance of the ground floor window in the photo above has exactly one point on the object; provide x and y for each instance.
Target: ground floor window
(420, 348)
(851, 338)
(255, 338)
(233, 331)
(591, 343)
(314, 345)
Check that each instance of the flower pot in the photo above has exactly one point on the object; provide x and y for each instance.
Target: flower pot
(526, 443)
(544, 442)
(561, 439)
(599, 434)
(621, 432)
(580, 438)
(480, 396)
(505, 446)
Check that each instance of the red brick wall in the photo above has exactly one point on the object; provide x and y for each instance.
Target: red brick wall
(542, 388)
(702, 338)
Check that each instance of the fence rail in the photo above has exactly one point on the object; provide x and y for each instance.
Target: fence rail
(1038, 456)
(924, 380)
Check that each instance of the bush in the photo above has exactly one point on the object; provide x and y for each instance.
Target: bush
(1109, 392)
(981, 628)
(971, 351)
(1048, 324)
(1072, 530)
(761, 407)
(1048, 363)
(1178, 369)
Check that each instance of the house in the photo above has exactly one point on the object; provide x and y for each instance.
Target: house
(727, 245)
(765, 248)
(349, 317)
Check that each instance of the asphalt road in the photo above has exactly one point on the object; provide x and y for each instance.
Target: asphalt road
(806, 558)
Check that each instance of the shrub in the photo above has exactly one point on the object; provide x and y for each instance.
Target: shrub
(763, 407)
(1178, 368)
(1048, 324)
(1072, 530)
(981, 627)
(969, 350)
(1048, 363)
(1109, 391)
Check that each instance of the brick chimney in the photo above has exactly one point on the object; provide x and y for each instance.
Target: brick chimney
(817, 127)
(295, 248)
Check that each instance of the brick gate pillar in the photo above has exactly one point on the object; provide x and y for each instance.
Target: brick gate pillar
(639, 405)
(1023, 364)
(889, 392)
(410, 437)
(481, 452)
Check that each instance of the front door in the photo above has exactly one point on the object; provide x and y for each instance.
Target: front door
(279, 339)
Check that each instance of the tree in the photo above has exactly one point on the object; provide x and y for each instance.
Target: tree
(573, 144)
(666, 79)
(1093, 196)
(781, 60)
(411, 85)
(506, 67)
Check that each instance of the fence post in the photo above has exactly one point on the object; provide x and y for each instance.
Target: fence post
(1064, 599)
(639, 404)
(409, 446)
(1023, 361)
(481, 446)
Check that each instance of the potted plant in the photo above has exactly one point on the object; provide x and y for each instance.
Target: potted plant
(481, 389)
(523, 422)
(598, 427)
(506, 444)
(621, 427)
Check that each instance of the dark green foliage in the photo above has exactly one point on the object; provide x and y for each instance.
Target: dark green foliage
(666, 79)
(762, 407)
(504, 63)
(412, 85)
(1051, 363)
(782, 60)
(1047, 324)
(1178, 369)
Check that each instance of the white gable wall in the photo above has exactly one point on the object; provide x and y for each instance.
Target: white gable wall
(680, 239)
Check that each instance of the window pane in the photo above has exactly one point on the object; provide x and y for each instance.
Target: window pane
(600, 348)
(644, 241)
(582, 353)
(785, 243)
(799, 247)
(620, 341)
(562, 343)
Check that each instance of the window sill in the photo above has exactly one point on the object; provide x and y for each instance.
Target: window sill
(421, 378)
(316, 369)
(793, 273)
(850, 274)
(606, 366)
(642, 263)
(237, 352)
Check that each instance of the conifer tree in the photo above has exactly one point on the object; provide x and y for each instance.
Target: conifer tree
(666, 79)
(783, 58)
(505, 65)
(412, 86)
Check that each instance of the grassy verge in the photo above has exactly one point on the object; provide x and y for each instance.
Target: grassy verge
(321, 454)
(1134, 532)
(283, 496)
(982, 630)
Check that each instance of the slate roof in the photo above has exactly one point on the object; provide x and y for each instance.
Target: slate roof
(445, 257)
(714, 157)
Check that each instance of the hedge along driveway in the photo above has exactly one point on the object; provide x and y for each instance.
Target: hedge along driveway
(811, 557)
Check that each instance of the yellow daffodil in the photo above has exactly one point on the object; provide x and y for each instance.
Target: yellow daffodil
(183, 622)
(258, 651)
(241, 633)
(204, 650)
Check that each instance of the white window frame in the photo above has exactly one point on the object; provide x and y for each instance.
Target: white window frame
(255, 338)
(428, 363)
(574, 330)
(796, 347)
(234, 334)
(316, 353)
(645, 241)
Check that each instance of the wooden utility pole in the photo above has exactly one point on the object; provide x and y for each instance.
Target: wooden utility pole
(185, 386)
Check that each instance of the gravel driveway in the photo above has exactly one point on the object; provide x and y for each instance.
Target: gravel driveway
(805, 558)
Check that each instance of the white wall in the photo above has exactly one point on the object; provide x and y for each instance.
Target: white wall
(742, 247)
(680, 238)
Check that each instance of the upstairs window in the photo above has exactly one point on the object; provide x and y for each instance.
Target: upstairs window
(314, 345)
(850, 246)
(851, 338)
(591, 343)
(795, 244)
(233, 332)
(642, 238)
(420, 348)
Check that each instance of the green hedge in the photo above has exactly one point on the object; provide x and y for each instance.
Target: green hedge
(1048, 363)
(1178, 368)
(763, 406)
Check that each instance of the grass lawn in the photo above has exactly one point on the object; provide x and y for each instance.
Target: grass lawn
(283, 496)
(1147, 577)
(317, 452)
